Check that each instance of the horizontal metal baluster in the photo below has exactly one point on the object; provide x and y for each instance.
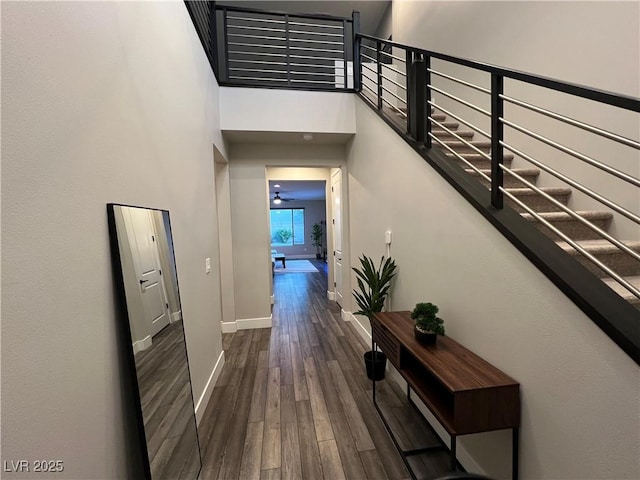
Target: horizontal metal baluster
(263, 79)
(369, 58)
(369, 67)
(573, 153)
(253, 19)
(576, 123)
(258, 37)
(575, 245)
(308, 57)
(614, 206)
(300, 24)
(339, 35)
(485, 155)
(395, 83)
(236, 69)
(461, 82)
(256, 45)
(464, 102)
(369, 88)
(322, 82)
(369, 78)
(266, 62)
(314, 73)
(394, 70)
(394, 107)
(393, 56)
(323, 42)
(470, 125)
(389, 91)
(461, 158)
(263, 29)
(242, 52)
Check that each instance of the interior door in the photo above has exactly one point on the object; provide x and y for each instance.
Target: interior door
(336, 211)
(146, 261)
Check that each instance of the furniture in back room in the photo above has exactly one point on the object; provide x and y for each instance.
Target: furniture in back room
(465, 393)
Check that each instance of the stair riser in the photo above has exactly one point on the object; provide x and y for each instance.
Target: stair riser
(574, 229)
(538, 203)
(619, 262)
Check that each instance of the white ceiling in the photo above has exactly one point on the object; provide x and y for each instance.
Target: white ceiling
(371, 11)
(298, 190)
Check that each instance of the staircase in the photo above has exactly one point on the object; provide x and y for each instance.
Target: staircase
(603, 250)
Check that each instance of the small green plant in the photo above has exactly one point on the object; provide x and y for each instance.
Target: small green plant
(283, 235)
(374, 284)
(316, 238)
(426, 320)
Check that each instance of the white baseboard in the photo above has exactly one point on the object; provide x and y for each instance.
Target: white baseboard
(142, 344)
(331, 295)
(359, 326)
(176, 316)
(246, 324)
(203, 401)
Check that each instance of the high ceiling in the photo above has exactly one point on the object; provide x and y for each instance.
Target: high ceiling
(371, 11)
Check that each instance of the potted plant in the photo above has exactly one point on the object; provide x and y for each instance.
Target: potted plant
(428, 326)
(316, 238)
(373, 285)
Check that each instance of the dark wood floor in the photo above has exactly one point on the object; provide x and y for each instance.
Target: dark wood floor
(294, 402)
(167, 407)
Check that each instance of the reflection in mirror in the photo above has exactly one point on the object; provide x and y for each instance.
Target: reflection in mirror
(143, 247)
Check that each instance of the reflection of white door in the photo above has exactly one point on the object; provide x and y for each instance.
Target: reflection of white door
(336, 193)
(146, 262)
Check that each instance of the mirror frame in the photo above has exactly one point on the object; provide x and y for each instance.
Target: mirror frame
(122, 312)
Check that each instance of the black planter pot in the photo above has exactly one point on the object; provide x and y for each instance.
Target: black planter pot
(426, 338)
(376, 362)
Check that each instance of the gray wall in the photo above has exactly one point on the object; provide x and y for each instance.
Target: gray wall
(101, 102)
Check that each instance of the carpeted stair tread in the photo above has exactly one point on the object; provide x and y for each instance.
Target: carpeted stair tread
(440, 133)
(522, 192)
(616, 259)
(562, 216)
(476, 160)
(462, 147)
(449, 125)
(622, 291)
(569, 226)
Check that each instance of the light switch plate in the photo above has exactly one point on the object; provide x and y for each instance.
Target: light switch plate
(207, 265)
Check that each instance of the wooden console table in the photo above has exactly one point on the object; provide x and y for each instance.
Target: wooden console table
(465, 393)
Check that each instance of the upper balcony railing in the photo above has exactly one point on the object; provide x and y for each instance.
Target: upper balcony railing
(249, 47)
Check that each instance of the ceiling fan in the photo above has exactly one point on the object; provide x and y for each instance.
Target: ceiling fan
(277, 199)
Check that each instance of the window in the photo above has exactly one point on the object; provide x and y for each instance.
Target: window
(287, 226)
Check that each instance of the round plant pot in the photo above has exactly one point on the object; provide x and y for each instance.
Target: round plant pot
(426, 338)
(375, 362)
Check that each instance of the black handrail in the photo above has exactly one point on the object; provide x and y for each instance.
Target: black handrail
(309, 16)
(602, 96)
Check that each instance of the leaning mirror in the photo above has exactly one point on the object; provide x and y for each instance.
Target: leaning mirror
(142, 248)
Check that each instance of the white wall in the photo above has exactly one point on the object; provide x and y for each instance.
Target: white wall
(270, 110)
(249, 164)
(580, 392)
(102, 102)
(557, 39)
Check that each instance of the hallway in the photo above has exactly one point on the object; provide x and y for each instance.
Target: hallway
(294, 402)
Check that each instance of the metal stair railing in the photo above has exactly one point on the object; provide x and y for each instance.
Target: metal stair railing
(414, 97)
